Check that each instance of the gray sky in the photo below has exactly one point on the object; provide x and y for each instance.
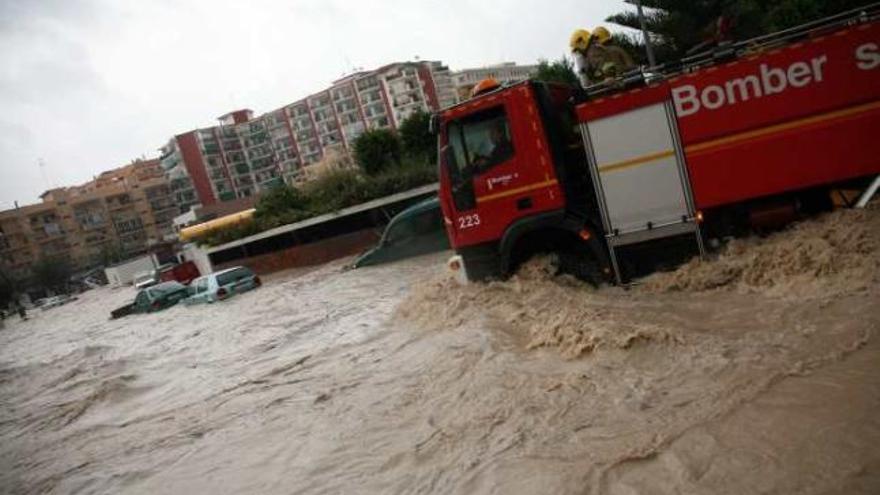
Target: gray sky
(89, 85)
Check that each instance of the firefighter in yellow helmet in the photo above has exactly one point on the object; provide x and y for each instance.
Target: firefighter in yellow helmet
(580, 45)
(608, 60)
(596, 58)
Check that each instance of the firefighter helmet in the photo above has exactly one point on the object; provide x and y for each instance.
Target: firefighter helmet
(580, 40)
(484, 86)
(602, 35)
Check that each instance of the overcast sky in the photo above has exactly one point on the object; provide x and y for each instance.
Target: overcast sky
(89, 85)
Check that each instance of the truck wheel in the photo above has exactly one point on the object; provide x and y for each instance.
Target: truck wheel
(582, 266)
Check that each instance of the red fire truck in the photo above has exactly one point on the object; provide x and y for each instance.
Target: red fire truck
(746, 136)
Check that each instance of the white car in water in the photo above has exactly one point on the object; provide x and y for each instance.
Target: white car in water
(222, 285)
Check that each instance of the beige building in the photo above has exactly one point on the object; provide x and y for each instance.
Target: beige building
(122, 211)
(505, 73)
(247, 154)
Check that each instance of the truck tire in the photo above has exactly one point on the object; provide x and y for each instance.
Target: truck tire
(482, 262)
(581, 265)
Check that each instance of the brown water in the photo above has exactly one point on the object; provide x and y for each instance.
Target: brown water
(395, 379)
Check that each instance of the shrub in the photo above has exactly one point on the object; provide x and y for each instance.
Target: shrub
(376, 149)
(334, 190)
(331, 191)
(416, 139)
(559, 71)
(280, 199)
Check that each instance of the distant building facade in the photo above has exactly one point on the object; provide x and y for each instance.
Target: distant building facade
(506, 73)
(245, 155)
(125, 211)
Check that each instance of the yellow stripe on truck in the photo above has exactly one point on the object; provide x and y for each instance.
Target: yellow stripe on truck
(778, 128)
(635, 162)
(518, 190)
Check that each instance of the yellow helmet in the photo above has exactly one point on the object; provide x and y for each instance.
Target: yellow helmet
(580, 40)
(602, 35)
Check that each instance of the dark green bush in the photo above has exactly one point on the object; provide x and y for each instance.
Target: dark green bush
(416, 139)
(331, 192)
(376, 150)
(280, 199)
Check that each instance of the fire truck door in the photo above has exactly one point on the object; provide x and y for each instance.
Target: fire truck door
(640, 176)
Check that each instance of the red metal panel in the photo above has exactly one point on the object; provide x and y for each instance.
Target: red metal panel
(811, 154)
(622, 102)
(795, 117)
(810, 118)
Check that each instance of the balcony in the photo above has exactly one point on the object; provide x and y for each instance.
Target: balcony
(162, 204)
(88, 225)
(119, 205)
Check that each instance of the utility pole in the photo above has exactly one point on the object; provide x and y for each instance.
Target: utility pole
(649, 47)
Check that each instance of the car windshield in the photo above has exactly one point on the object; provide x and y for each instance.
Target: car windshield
(166, 288)
(422, 223)
(233, 275)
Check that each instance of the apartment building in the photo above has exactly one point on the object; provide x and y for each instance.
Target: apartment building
(123, 210)
(506, 73)
(245, 155)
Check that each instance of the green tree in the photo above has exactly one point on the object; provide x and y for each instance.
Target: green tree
(279, 200)
(677, 26)
(376, 149)
(560, 71)
(416, 139)
(51, 273)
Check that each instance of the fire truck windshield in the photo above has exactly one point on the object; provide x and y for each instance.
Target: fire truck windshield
(476, 143)
(482, 140)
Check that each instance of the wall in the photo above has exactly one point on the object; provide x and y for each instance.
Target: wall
(124, 273)
(309, 254)
(193, 253)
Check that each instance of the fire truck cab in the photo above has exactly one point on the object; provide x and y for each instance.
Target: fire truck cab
(513, 179)
(710, 145)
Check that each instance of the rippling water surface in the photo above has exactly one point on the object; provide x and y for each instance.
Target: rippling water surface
(394, 379)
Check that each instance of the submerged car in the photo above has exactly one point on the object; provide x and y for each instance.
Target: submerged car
(155, 298)
(222, 285)
(415, 231)
(159, 297)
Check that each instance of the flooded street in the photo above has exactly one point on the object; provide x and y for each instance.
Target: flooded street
(755, 373)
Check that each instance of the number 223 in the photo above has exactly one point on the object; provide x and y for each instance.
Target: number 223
(468, 221)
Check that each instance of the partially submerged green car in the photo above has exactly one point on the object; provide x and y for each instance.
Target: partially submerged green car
(415, 231)
(155, 298)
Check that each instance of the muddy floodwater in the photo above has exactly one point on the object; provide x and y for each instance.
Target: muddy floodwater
(756, 372)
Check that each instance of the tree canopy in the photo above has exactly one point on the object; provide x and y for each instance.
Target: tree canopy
(561, 71)
(677, 26)
(376, 150)
(416, 139)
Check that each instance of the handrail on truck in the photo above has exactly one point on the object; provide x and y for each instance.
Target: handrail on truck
(730, 51)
